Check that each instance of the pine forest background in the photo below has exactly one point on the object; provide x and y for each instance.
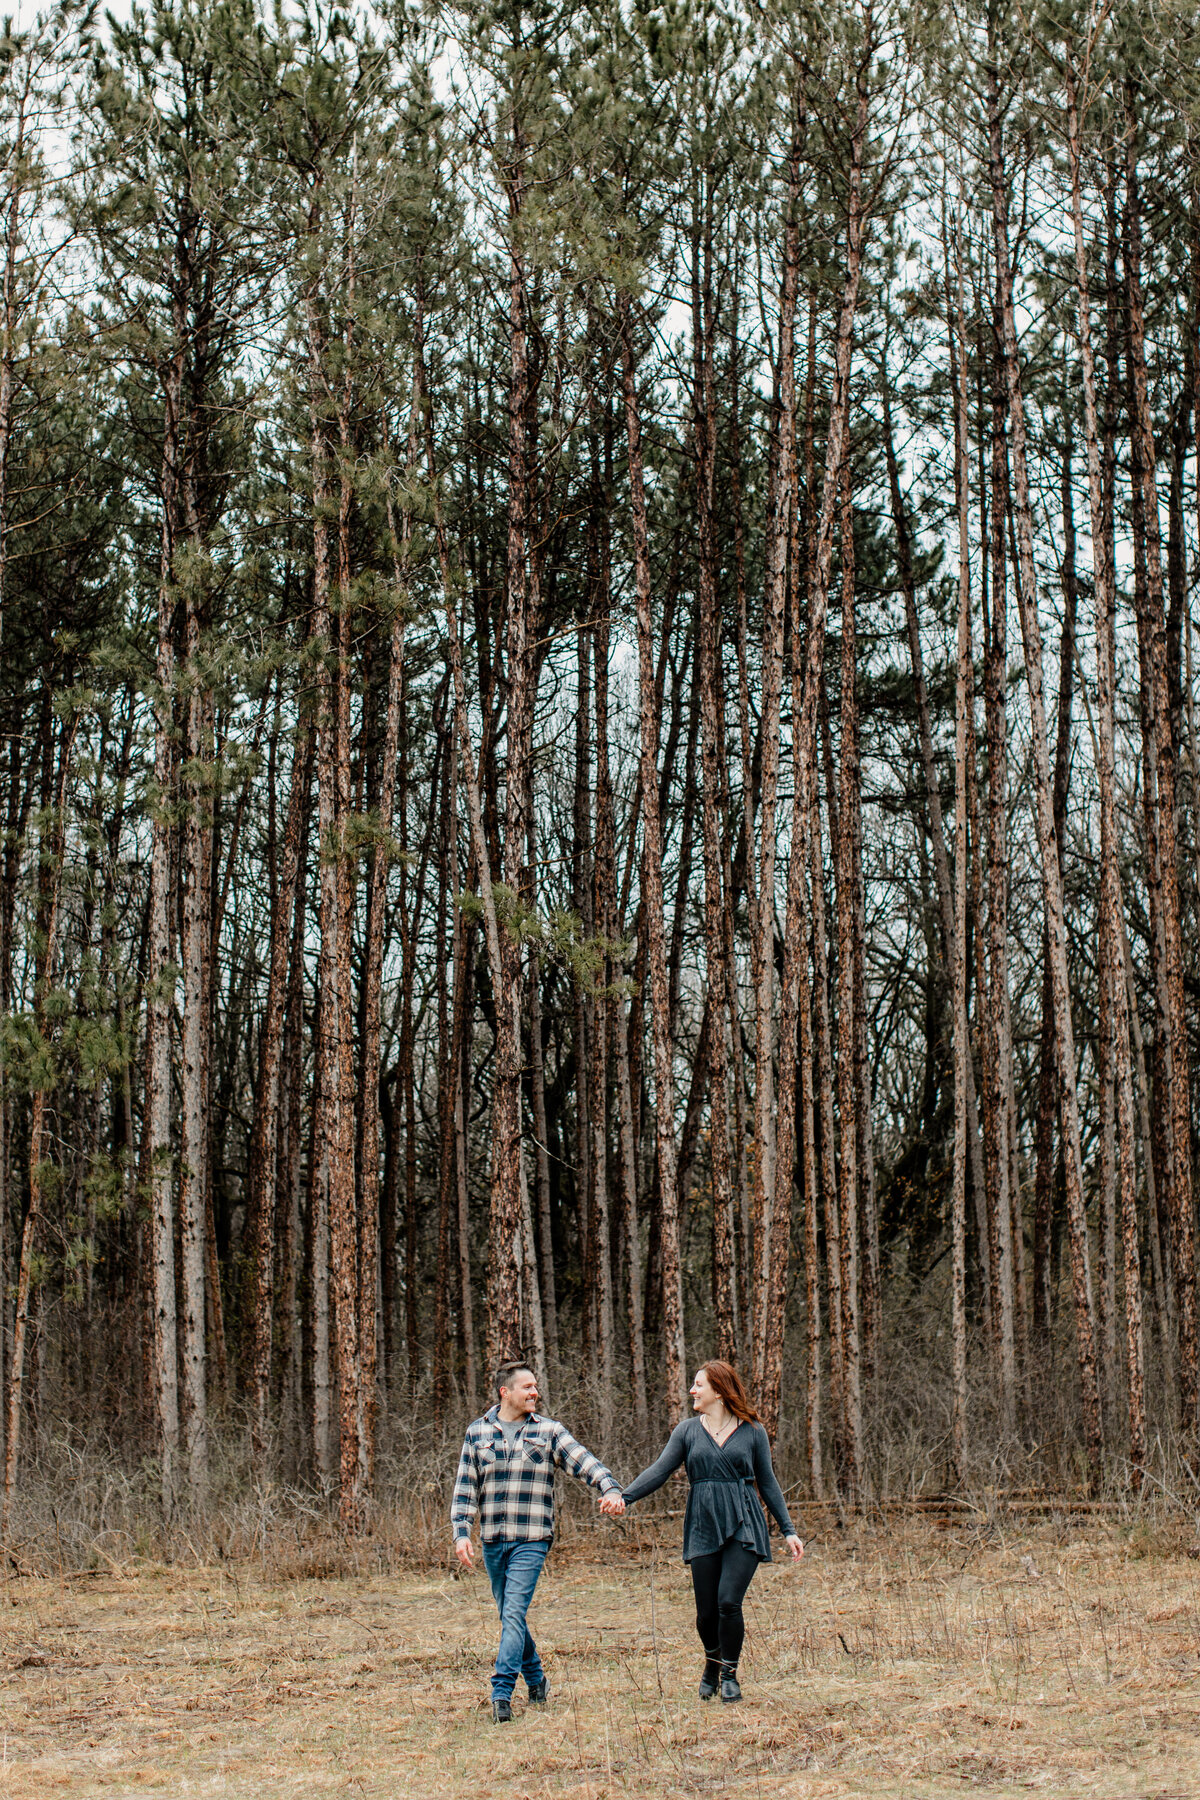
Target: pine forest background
(598, 752)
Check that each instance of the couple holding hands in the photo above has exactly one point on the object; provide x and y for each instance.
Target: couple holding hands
(506, 1476)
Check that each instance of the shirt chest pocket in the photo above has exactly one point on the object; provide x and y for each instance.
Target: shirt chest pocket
(536, 1452)
(485, 1458)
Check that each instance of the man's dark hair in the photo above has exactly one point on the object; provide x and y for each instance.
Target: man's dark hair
(506, 1371)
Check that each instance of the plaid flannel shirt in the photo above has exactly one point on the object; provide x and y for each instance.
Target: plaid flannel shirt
(512, 1488)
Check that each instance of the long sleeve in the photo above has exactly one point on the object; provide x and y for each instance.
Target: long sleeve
(466, 1493)
(768, 1486)
(570, 1454)
(652, 1478)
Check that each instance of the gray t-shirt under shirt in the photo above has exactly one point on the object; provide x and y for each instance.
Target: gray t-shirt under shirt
(511, 1428)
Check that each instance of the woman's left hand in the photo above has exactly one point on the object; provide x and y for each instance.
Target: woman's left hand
(796, 1546)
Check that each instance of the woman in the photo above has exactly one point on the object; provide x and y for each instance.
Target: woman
(725, 1450)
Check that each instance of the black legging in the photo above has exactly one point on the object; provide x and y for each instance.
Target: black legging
(720, 1581)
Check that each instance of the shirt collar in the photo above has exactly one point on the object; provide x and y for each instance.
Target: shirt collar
(492, 1417)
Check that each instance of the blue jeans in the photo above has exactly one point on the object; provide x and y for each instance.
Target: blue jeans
(513, 1568)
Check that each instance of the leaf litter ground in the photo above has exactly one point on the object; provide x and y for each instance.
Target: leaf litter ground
(900, 1660)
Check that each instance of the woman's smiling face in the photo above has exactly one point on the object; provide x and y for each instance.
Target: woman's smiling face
(703, 1393)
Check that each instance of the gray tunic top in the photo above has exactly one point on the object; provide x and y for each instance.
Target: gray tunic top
(722, 1505)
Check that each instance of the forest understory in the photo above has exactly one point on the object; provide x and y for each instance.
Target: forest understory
(85, 1505)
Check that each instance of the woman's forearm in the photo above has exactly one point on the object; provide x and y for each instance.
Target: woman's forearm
(659, 1471)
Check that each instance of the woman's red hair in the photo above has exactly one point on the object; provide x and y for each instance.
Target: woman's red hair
(728, 1383)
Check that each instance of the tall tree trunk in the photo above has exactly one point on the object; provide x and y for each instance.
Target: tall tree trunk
(506, 1226)
(17, 165)
(288, 1185)
(545, 1233)
(964, 724)
(853, 1111)
(447, 1077)
(843, 857)
(1047, 1107)
(772, 1196)
(598, 1255)
(652, 907)
(193, 1161)
(9, 862)
(1153, 637)
(607, 1021)
(264, 1138)
(709, 647)
(336, 1151)
(50, 863)
(1062, 773)
(868, 1198)
(583, 898)
(608, 908)
(633, 1240)
(812, 1258)
(466, 1284)
(1113, 936)
(320, 1370)
(156, 1155)
(996, 1040)
(841, 1228)
(598, 1263)
(1044, 812)
(406, 1077)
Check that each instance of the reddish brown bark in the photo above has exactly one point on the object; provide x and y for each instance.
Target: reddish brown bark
(264, 1138)
(50, 863)
(1112, 971)
(652, 904)
(606, 1018)
(704, 427)
(506, 1225)
(770, 1203)
(854, 1264)
(964, 726)
(335, 1104)
(1152, 644)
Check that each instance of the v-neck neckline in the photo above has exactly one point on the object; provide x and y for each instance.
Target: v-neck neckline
(721, 1442)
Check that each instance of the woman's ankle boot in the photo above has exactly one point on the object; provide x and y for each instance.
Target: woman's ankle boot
(729, 1682)
(711, 1678)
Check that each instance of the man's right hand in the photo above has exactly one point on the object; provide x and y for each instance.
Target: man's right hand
(464, 1552)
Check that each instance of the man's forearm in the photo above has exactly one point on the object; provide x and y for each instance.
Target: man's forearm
(579, 1461)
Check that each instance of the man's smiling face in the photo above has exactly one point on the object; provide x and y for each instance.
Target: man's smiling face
(521, 1392)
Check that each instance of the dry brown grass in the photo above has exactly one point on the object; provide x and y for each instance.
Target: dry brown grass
(901, 1660)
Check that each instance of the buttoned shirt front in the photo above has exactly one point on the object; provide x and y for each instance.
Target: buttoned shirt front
(511, 1487)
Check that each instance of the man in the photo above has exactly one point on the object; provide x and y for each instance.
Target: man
(506, 1473)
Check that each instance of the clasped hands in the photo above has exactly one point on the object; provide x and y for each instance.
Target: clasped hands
(612, 1506)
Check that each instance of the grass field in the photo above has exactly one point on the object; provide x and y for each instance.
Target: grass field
(898, 1660)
